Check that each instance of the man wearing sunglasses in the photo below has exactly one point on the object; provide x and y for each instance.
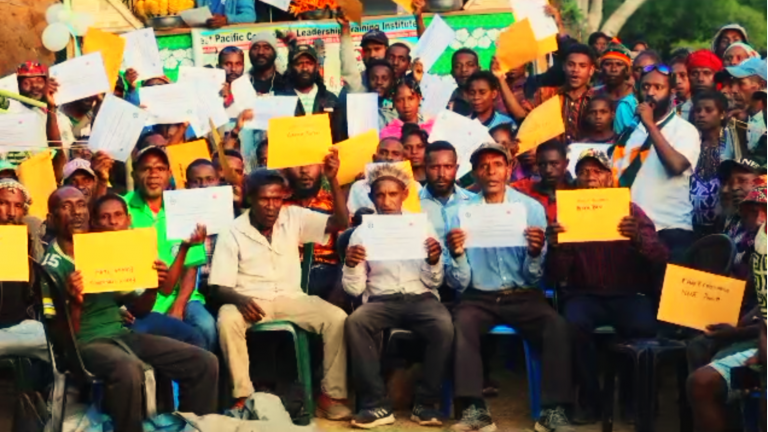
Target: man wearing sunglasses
(657, 159)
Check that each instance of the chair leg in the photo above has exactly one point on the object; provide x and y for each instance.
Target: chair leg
(646, 395)
(609, 391)
(447, 397)
(533, 365)
(304, 368)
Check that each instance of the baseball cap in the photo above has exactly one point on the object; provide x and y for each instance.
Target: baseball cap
(303, 50)
(7, 166)
(597, 155)
(160, 151)
(726, 167)
(76, 165)
(375, 36)
(749, 67)
(489, 147)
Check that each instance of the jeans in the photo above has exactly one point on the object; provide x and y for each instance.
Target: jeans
(197, 316)
(194, 369)
(630, 315)
(25, 339)
(677, 241)
(423, 315)
(325, 282)
(158, 324)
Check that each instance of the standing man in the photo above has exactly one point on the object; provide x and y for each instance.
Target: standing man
(482, 89)
(381, 79)
(552, 163)
(97, 324)
(657, 159)
(599, 42)
(727, 35)
(399, 56)
(263, 54)
(227, 12)
(682, 101)
(616, 73)
(396, 294)
(464, 63)
(750, 78)
(505, 289)
(306, 187)
(304, 81)
(232, 60)
(151, 177)
(256, 276)
(702, 66)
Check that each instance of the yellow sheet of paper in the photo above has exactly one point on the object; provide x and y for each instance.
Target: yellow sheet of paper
(298, 141)
(354, 154)
(516, 45)
(353, 10)
(117, 261)
(547, 45)
(36, 173)
(697, 299)
(14, 242)
(181, 155)
(406, 4)
(591, 214)
(412, 203)
(543, 123)
(111, 47)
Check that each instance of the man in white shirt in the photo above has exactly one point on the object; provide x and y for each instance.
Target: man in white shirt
(256, 272)
(389, 150)
(400, 294)
(657, 159)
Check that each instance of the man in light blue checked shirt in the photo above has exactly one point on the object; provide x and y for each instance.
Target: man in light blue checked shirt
(504, 289)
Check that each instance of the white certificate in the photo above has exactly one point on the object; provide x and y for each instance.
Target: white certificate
(141, 54)
(543, 25)
(80, 77)
(280, 4)
(185, 208)
(436, 38)
(494, 225)
(362, 113)
(170, 103)
(213, 77)
(196, 17)
(575, 150)
(22, 131)
(436, 93)
(244, 96)
(464, 133)
(117, 127)
(394, 237)
(269, 107)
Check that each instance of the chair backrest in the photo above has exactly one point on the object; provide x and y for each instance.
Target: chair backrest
(306, 265)
(58, 328)
(712, 254)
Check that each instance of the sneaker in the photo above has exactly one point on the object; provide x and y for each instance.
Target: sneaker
(475, 418)
(333, 409)
(554, 420)
(426, 416)
(374, 417)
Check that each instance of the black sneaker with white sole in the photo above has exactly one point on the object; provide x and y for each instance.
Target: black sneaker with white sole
(373, 417)
(475, 418)
(553, 420)
(426, 416)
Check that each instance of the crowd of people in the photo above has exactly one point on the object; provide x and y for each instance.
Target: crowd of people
(685, 133)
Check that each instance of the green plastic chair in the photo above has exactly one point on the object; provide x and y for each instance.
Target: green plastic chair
(300, 339)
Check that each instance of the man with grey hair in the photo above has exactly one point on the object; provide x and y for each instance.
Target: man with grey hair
(401, 294)
(20, 334)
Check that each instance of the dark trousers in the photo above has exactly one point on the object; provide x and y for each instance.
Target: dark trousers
(528, 312)
(631, 315)
(677, 241)
(425, 316)
(194, 369)
(325, 282)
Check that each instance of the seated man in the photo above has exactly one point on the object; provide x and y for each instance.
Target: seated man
(306, 188)
(100, 333)
(607, 282)
(399, 294)
(505, 289)
(20, 334)
(256, 276)
(201, 173)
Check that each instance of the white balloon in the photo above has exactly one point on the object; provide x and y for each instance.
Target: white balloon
(80, 22)
(56, 37)
(54, 13)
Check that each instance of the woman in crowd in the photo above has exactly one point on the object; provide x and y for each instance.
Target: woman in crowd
(406, 96)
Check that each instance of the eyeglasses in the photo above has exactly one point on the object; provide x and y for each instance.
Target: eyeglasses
(661, 68)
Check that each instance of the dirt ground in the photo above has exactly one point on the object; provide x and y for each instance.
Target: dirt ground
(21, 26)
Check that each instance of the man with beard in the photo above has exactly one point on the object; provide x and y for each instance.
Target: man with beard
(615, 73)
(305, 184)
(657, 159)
(20, 334)
(381, 78)
(552, 163)
(702, 66)
(232, 60)
(34, 83)
(464, 63)
(504, 290)
(606, 282)
(97, 325)
(263, 54)
(750, 81)
(304, 81)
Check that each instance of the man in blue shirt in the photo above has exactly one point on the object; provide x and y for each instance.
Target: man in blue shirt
(482, 89)
(226, 12)
(505, 289)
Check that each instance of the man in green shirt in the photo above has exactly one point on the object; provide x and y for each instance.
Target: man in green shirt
(152, 176)
(103, 339)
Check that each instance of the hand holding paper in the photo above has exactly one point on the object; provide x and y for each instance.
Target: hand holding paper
(298, 141)
(142, 54)
(354, 154)
(185, 209)
(433, 42)
(543, 123)
(394, 237)
(80, 77)
(196, 17)
(14, 242)
(494, 225)
(111, 47)
(181, 155)
(117, 127)
(590, 215)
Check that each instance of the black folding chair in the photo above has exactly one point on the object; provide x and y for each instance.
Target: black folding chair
(712, 254)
